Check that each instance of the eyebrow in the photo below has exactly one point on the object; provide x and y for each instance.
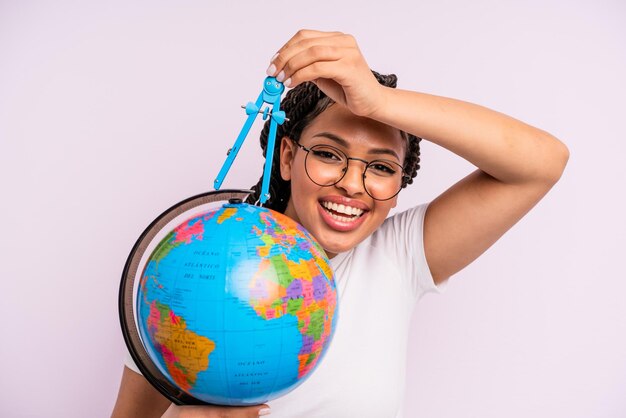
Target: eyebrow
(339, 140)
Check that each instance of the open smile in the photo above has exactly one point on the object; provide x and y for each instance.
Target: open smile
(342, 212)
(342, 216)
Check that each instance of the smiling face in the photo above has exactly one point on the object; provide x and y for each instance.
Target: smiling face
(272, 86)
(319, 209)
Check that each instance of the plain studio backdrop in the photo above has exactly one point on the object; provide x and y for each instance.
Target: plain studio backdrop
(110, 112)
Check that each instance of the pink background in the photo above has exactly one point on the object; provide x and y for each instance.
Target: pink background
(111, 112)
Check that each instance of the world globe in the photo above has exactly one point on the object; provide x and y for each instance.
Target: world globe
(235, 305)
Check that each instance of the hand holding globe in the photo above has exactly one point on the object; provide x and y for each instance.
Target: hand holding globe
(235, 305)
(209, 411)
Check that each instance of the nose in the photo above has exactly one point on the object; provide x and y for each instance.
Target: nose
(352, 181)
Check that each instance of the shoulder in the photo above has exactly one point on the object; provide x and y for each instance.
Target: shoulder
(402, 226)
(398, 240)
(394, 250)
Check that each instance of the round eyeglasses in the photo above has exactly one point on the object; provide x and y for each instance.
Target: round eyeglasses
(326, 166)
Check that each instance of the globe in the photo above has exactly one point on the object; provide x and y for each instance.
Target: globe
(235, 305)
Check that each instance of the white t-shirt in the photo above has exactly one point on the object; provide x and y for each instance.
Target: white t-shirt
(378, 283)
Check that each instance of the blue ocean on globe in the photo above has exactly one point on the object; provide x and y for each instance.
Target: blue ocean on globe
(237, 305)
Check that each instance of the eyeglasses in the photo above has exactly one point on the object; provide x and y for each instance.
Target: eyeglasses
(326, 166)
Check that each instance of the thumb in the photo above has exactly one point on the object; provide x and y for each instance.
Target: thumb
(208, 411)
(245, 411)
(331, 89)
(261, 410)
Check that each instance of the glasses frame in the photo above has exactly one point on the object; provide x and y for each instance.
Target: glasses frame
(403, 183)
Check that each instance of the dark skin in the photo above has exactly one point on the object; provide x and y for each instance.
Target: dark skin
(517, 165)
(137, 398)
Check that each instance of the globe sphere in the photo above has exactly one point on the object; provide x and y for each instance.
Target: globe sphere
(236, 305)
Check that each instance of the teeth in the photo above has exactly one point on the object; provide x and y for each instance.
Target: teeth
(346, 210)
(341, 218)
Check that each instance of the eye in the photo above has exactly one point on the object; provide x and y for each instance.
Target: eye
(382, 168)
(269, 83)
(327, 155)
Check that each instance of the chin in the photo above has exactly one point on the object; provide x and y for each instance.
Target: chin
(336, 245)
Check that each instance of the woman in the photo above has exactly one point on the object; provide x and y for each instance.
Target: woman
(352, 143)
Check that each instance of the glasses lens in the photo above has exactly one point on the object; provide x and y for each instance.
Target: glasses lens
(383, 179)
(325, 165)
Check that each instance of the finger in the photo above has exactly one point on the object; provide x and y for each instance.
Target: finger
(262, 410)
(303, 34)
(309, 56)
(244, 412)
(214, 411)
(324, 75)
(316, 47)
(296, 47)
(336, 65)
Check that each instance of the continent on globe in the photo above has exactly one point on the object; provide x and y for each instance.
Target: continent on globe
(185, 352)
(293, 288)
(237, 305)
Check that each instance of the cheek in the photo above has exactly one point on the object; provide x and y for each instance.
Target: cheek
(300, 182)
(303, 191)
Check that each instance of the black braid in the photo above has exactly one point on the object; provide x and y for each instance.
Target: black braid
(303, 104)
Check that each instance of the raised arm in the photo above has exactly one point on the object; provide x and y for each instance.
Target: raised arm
(517, 163)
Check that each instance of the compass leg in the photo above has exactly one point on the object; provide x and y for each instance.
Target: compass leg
(232, 153)
(269, 156)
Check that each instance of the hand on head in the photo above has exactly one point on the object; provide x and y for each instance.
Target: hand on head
(333, 61)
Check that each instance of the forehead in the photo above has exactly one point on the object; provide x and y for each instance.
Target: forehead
(359, 132)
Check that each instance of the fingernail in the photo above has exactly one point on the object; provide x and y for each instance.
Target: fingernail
(287, 82)
(274, 57)
(280, 76)
(271, 70)
(264, 411)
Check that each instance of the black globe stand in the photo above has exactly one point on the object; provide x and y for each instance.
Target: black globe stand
(126, 302)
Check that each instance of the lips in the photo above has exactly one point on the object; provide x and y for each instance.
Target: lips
(342, 214)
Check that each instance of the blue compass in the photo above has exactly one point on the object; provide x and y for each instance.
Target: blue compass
(270, 95)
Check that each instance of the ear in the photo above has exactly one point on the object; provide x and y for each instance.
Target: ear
(287, 154)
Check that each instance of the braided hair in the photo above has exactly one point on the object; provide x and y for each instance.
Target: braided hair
(302, 104)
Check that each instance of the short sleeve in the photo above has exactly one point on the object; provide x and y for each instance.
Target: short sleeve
(403, 238)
